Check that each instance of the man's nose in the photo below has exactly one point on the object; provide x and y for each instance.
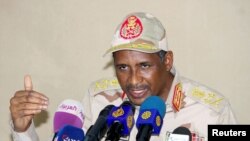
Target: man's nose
(135, 77)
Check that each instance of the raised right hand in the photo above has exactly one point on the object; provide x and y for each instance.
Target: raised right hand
(25, 104)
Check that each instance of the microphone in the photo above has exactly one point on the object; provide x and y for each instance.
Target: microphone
(70, 133)
(150, 118)
(69, 112)
(120, 121)
(98, 130)
(181, 134)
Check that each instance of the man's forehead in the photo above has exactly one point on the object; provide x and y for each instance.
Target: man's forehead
(132, 52)
(126, 55)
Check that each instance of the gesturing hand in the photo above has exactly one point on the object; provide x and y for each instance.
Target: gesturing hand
(25, 104)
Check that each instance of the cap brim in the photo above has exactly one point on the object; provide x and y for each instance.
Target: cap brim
(142, 47)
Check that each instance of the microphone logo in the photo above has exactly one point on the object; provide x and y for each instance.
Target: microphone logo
(146, 114)
(117, 113)
(67, 138)
(69, 112)
(130, 121)
(158, 120)
(70, 133)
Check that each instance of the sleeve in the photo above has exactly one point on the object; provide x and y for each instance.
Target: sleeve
(100, 93)
(29, 135)
(87, 111)
(227, 116)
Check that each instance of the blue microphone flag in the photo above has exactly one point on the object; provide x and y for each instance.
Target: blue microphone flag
(151, 113)
(69, 132)
(123, 114)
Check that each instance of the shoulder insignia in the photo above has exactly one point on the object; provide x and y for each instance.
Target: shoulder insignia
(105, 84)
(205, 96)
(178, 97)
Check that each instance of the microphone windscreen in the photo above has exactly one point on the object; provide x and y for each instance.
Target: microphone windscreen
(69, 112)
(183, 131)
(154, 102)
(124, 116)
(70, 133)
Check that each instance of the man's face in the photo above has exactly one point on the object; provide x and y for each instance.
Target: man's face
(141, 74)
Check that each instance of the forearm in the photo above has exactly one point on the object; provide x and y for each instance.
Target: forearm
(29, 135)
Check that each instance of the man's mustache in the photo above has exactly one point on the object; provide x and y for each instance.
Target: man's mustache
(136, 87)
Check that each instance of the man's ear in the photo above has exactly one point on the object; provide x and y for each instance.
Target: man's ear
(169, 59)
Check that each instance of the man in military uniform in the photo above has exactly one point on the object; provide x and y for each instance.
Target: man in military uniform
(144, 67)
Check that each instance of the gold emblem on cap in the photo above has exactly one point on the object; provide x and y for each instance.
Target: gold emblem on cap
(131, 28)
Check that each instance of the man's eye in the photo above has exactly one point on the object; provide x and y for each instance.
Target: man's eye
(122, 67)
(144, 66)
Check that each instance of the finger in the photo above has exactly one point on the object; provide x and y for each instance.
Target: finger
(28, 98)
(31, 93)
(25, 109)
(30, 112)
(23, 113)
(21, 93)
(28, 83)
(39, 95)
(31, 106)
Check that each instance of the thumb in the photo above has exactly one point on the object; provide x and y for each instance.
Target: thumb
(28, 83)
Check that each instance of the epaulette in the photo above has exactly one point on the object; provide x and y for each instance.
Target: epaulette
(104, 84)
(206, 96)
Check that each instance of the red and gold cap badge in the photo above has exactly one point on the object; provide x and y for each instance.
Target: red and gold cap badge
(131, 28)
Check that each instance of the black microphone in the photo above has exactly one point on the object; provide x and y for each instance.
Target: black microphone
(181, 134)
(99, 129)
(120, 121)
